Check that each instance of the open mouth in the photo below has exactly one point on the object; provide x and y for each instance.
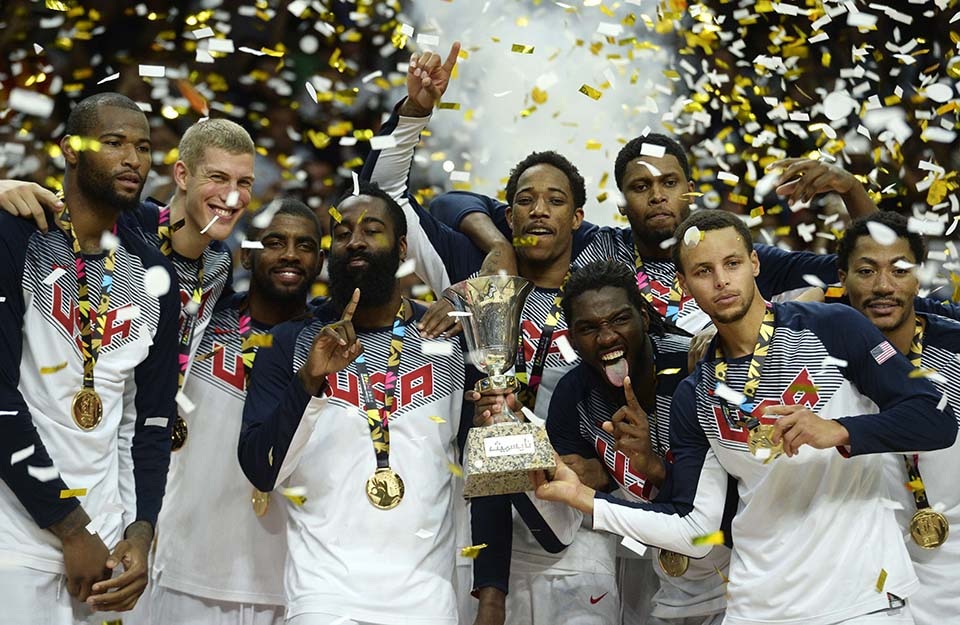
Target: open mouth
(223, 212)
(288, 275)
(615, 366)
(539, 231)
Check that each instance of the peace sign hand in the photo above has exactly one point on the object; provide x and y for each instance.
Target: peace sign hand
(427, 80)
(335, 347)
(630, 428)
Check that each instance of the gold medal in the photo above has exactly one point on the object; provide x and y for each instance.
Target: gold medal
(385, 489)
(672, 563)
(260, 501)
(87, 409)
(760, 439)
(929, 528)
(179, 434)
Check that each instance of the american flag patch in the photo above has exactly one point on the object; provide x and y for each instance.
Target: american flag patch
(883, 352)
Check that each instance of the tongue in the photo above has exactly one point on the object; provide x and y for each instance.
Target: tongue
(616, 371)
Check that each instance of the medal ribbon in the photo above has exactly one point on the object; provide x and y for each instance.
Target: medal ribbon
(91, 338)
(753, 373)
(528, 395)
(379, 420)
(189, 318)
(643, 282)
(913, 462)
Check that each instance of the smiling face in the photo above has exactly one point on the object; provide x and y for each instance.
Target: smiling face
(220, 185)
(290, 259)
(609, 333)
(881, 282)
(719, 272)
(115, 174)
(543, 208)
(657, 197)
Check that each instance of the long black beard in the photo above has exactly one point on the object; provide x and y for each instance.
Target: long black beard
(376, 281)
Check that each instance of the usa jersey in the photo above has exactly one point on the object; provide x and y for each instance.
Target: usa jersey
(342, 550)
(211, 543)
(217, 272)
(814, 541)
(937, 600)
(578, 409)
(117, 470)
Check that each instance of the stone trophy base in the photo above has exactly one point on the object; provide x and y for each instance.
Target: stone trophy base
(499, 458)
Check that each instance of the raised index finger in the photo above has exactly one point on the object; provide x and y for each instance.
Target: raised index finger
(452, 57)
(351, 306)
(628, 393)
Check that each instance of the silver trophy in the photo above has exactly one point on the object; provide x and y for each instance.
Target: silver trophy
(498, 458)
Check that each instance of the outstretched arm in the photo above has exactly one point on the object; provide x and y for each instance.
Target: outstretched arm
(802, 179)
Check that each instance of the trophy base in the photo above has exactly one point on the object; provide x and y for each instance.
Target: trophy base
(499, 458)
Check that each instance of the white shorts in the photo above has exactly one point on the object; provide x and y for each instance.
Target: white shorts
(32, 597)
(575, 599)
(315, 618)
(638, 584)
(170, 606)
(893, 616)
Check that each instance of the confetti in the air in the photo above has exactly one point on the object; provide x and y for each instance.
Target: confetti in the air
(152, 71)
(713, 538)
(692, 237)
(652, 149)
(813, 280)
(520, 48)
(914, 486)
(210, 225)
(436, 348)
(249, 244)
(108, 240)
(882, 234)
(634, 545)
(337, 217)
(532, 418)
(232, 198)
(590, 92)
(566, 350)
(672, 371)
(159, 422)
(729, 395)
(30, 102)
(406, 268)
(455, 469)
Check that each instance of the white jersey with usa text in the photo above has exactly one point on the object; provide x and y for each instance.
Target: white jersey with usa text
(814, 541)
(937, 600)
(578, 409)
(116, 470)
(346, 557)
(211, 544)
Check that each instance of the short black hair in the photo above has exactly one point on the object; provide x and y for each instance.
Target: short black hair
(372, 189)
(895, 221)
(602, 273)
(86, 114)
(705, 220)
(287, 206)
(634, 148)
(577, 186)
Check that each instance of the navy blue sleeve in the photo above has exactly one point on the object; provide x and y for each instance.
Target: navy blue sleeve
(563, 418)
(156, 382)
(451, 207)
(491, 523)
(909, 418)
(17, 432)
(273, 408)
(782, 271)
(936, 307)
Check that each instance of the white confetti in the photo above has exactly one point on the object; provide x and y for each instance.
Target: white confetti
(156, 281)
(944, 400)
(128, 312)
(30, 102)
(838, 105)
(691, 238)
(460, 176)
(428, 40)
(532, 418)
(232, 198)
(109, 241)
(634, 545)
(882, 234)
(43, 474)
(184, 403)
(312, 91)
(813, 280)
(200, 33)
(210, 225)
(160, 422)
(728, 177)
(109, 78)
(436, 348)
(54, 275)
(731, 396)
(406, 268)
(204, 57)
(37, 48)
(650, 149)
(939, 92)
(761, 453)
(668, 243)
(297, 7)
(926, 227)
(371, 76)
(835, 362)
(247, 244)
(651, 168)
(220, 45)
(423, 534)
(23, 454)
(356, 183)
(383, 143)
(152, 71)
(459, 313)
(903, 264)
(566, 350)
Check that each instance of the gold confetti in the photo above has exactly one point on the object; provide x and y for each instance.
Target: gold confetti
(296, 495)
(337, 217)
(436, 419)
(835, 291)
(455, 469)
(921, 372)
(54, 368)
(673, 371)
(67, 493)
(915, 486)
(520, 48)
(713, 538)
(803, 388)
(590, 92)
(527, 241)
(209, 354)
(602, 197)
(258, 340)
(56, 5)
(881, 580)
(455, 106)
(593, 144)
(539, 96)
(80, 144)
(473, 551)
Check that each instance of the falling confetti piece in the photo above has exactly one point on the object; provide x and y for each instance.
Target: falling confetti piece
(459, 313)
(296, 494)
(473, 551)
(692, 237)
(424, 534)
(109, 241)
(590, 92)
(30, 102)
(673, 371)
(527, 241)
(520, 48)
(634, 545)
(210, 225)
(247, 244)
(836, 362)
(73, 492)
(156, 281)
(152, 71)
(455, 469)
(813, 280)
(914, 486)
(713, 538)
(454, 106)
(337, 217)
(23, 454)
(651, 149)
(532, 418)
(53, 368)
(731, 396)
(566, 350)
(436, 419)
(232, 198)
(54, 275)
(881, 580)
(356, 185)
(882, 234)
(436, 348)
(258, 340)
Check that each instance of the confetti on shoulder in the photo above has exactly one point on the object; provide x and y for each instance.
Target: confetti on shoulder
(713, 538)
(473, 551)
(437, 419)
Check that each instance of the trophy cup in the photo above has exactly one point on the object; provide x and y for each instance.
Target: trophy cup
(498, 458)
